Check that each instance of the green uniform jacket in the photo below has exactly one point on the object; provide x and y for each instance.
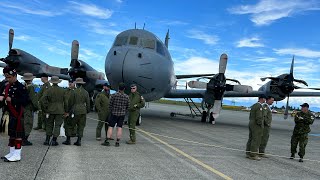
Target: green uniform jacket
(102, 105)
(258, 114)
(80, 101)
(68, 94)
(136, 99)
(43, 89)
(54, 100)
(33, 104)
(303, 122)
(268, 117)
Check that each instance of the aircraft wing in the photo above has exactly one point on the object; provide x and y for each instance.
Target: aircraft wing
(199, 93)
(61, 76)
(257, 93)
(181, 93)
(192, 76)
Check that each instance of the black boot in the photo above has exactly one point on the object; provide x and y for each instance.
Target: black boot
(25, 141)
(67, 142)
(46, 142)
(292, 156)
(78, 143)
(54, 142)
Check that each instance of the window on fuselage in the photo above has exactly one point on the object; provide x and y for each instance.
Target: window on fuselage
(160, 49)
(120, 41)
(133, 40)
(148, 43)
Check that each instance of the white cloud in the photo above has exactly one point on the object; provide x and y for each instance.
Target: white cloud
(87, 54)
(303, 52)
(28, 10)
(58, 51)
(119, 1)
(267, 11)
(91, 10)
(174, 22)
(249, 42)
(22, 38)
(208, 39)
(63, 43)
(101, 29)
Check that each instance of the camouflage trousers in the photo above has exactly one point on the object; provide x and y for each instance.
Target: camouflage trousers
(254, 141)
(264, 139)
(302, 140)
(28, 121)
(132, 121)
(69, 127)
(101, 123)
(54, 123)
(79, 120)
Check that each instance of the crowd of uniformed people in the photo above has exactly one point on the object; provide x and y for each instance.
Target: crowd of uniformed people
(56, 106)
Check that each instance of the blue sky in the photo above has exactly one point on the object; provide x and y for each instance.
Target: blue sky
(259, 37)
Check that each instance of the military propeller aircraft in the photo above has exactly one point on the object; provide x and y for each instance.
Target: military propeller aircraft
(138, 56)
(279, 87)
(24, 62)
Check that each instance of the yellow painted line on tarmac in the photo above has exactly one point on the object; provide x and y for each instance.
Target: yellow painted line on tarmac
(188, 156)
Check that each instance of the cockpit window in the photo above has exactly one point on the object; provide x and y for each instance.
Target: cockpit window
(120, 41)
(160, 49)
(133, 40)
(148, 43)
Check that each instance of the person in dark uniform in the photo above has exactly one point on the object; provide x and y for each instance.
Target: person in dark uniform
(303, 120)
(15, 98)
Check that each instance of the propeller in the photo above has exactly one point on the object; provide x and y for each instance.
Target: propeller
(11, 35)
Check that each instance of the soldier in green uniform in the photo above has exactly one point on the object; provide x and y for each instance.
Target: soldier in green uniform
(41, 114)
(303, 120)
(102, 106)
(81, 102)
(136, 102)
(266, 129)
(55, 105)
(31, 107)
(256, 124)
(70, 130)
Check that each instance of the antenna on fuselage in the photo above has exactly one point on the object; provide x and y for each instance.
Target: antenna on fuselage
(144, 24)
(166, 41)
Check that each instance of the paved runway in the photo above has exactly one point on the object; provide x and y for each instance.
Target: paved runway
(168, 148)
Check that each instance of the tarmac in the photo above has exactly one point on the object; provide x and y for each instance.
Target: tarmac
(167, 147)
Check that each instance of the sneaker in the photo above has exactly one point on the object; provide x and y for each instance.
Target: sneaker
(130, 142)
(98, 138)
(110, 138)
(117, 144)
(255, 158)
(105, 143)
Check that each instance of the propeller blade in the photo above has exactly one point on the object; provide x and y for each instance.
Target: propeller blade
(301, 81)
(11, 35)
(234, 80)
(287, 109)
(75, 50)
(216, 108)
(197, 84)
(223, 63)
(291, 69)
